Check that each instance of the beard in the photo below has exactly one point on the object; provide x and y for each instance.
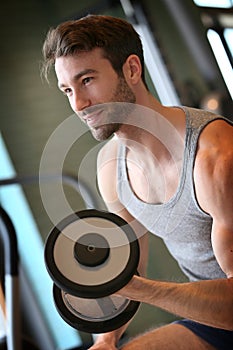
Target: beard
(120, 106)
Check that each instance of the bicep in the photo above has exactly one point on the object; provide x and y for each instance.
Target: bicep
(222, 241)
(221, 209)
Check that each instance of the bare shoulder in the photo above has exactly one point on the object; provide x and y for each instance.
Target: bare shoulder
(213, 176)
(107, 174)
(107, 161)
(108, 152)
(216, 143)
(213, 172)
(218, 131)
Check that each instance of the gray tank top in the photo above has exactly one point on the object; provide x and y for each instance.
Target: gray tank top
(180, 222)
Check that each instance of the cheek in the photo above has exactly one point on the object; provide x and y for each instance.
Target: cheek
(71, 103)
(107, 88)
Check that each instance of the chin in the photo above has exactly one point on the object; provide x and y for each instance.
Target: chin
(105, 132)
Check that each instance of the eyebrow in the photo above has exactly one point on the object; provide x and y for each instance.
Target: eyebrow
(78, 76)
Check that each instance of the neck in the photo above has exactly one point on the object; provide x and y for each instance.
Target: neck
(153, 127)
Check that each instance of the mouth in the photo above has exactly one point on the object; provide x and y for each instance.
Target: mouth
(93, 119)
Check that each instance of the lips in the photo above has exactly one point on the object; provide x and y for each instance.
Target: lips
(93, 119)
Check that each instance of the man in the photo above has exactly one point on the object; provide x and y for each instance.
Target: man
(99, 60)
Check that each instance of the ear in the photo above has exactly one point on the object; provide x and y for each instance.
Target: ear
(132, 69)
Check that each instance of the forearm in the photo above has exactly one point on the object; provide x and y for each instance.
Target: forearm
(208, 302)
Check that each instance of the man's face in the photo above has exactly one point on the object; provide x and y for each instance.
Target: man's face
(89, 81)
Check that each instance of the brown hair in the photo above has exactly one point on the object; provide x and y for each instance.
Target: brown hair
(115, 36)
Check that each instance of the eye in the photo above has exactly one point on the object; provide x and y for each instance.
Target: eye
(87, 80)
(67, 91)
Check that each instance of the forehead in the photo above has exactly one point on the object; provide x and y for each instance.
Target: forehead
(80, 61)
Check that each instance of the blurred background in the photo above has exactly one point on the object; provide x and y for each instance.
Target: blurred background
(189, 55)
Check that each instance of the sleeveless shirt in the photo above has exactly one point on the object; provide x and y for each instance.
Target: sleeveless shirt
(180, 222)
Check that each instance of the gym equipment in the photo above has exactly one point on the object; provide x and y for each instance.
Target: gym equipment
(90, 255)
(13, 339)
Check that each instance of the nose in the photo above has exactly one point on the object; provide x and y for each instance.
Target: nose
(79, 102)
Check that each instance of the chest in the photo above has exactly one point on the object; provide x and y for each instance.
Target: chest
(154, 182)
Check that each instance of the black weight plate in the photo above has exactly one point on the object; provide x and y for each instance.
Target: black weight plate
(95, 325)
(100, 290)
(91, 250)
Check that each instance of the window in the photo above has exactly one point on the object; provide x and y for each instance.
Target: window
(221, 58)
(214, 3)
(228, 34)
(217, 17)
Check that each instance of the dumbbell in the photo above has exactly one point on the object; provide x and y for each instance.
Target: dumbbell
(90, 255)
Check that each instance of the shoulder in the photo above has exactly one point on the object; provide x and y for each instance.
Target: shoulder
(218, 131)
(107, 173)
(213, 171)
(214, 187)
(215, 142)
(108, 151)
(107, 160)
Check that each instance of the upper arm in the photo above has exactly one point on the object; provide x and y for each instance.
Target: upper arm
(222, 213)
(214, 188)
(107, 183)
